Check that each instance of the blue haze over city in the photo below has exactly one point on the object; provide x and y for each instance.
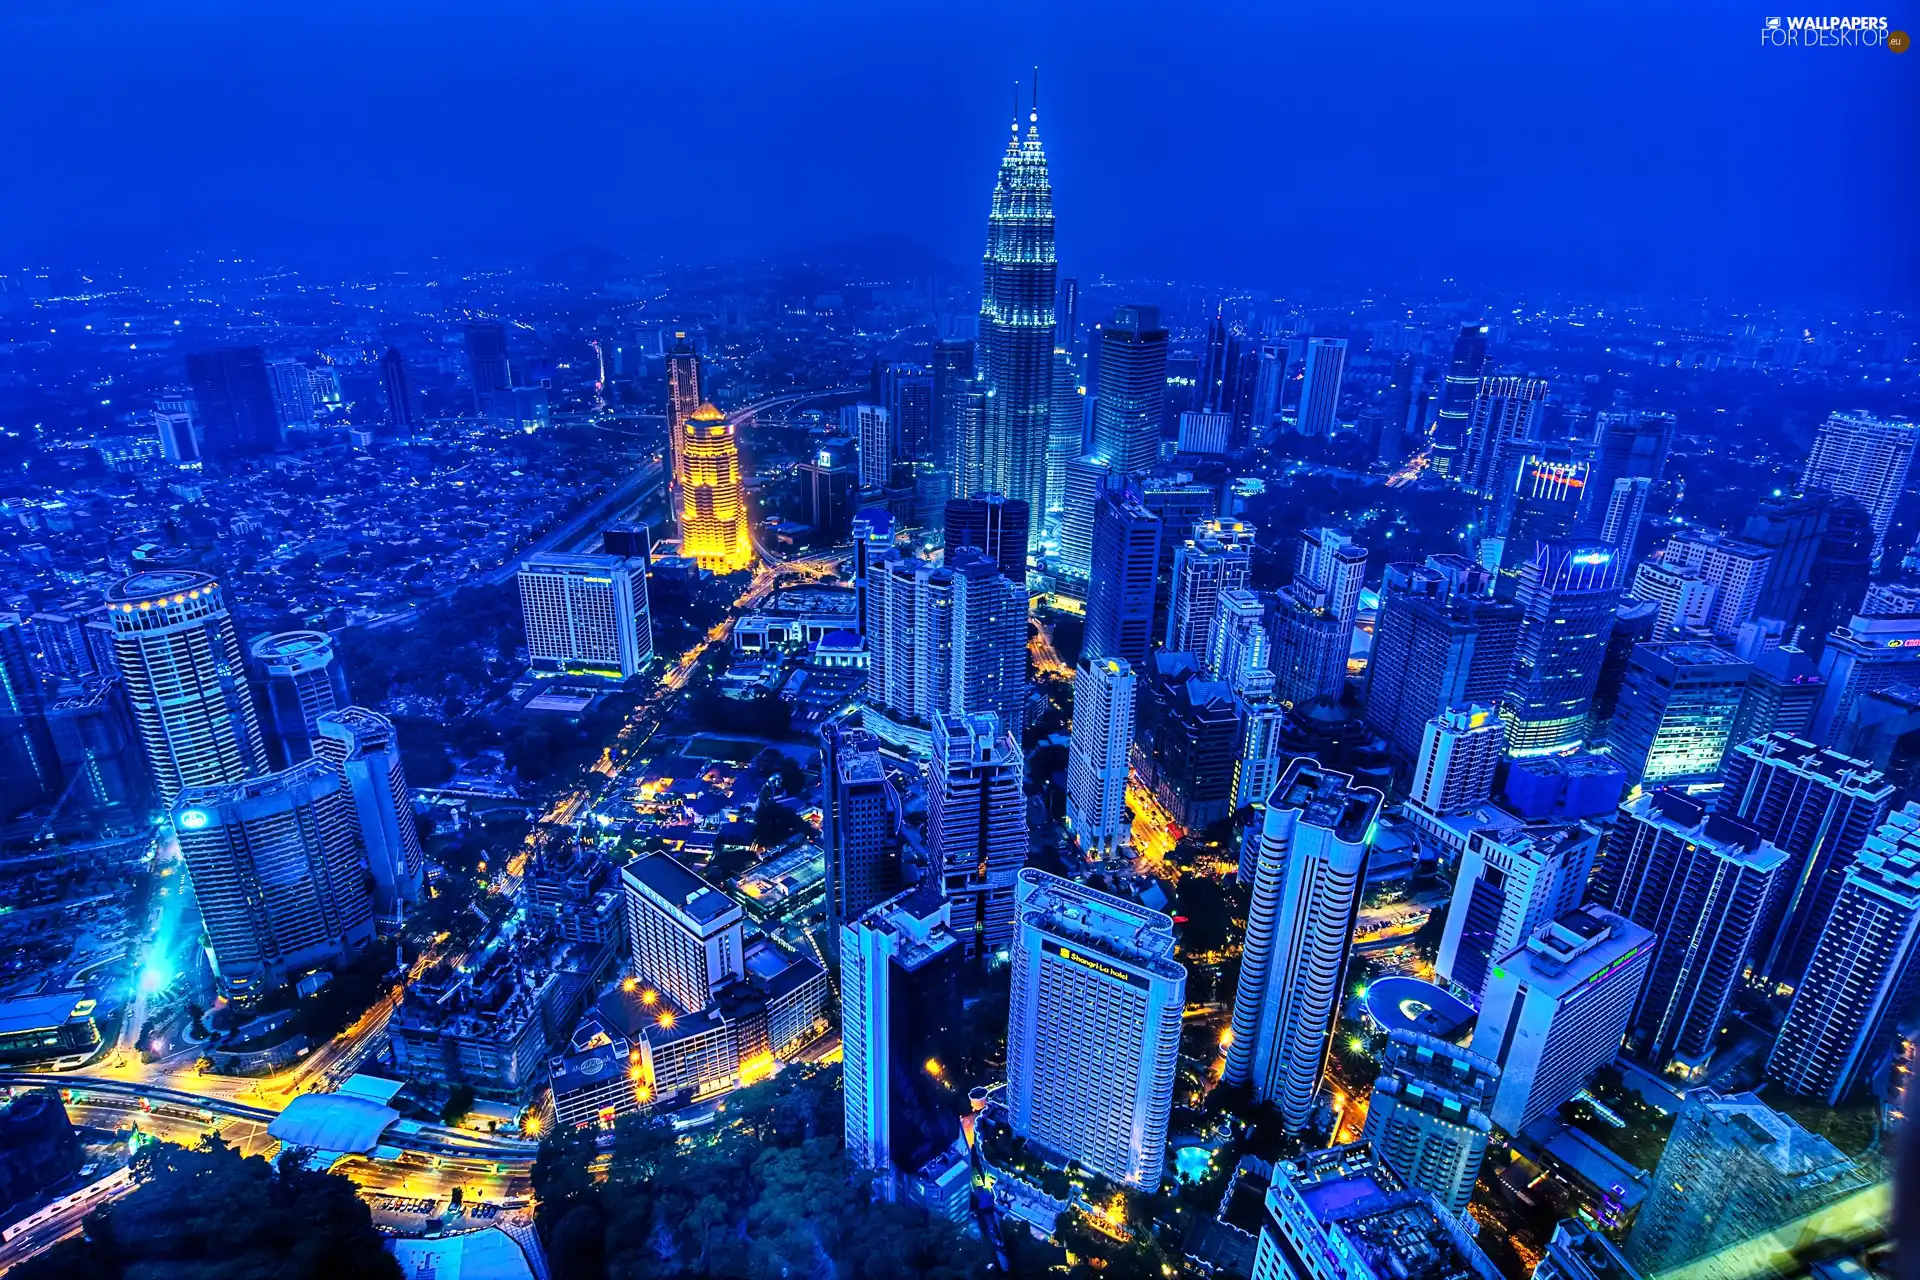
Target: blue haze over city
(869, 641)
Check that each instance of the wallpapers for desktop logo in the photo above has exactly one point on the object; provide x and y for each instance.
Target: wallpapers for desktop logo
(1858, 31)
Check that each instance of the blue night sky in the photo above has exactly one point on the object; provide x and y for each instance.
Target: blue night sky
(1622, 146)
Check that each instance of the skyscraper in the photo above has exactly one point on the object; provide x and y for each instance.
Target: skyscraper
(1458, 757)
(1567, 596)
(1512, 882)
(1783, 693)
(1016, 323)
(685, 937)
(361, 746)
(976, 826)
(1505, 420)
(988, 667)
(488, 368)
(292, 386)
(1104, 691)
(1320, 386)
(1859, 456)
(872, 432)
(1555, 1007)
(1093, 1028)
(1436, 646)
(401, 414)
(906, 392)
(898, 1000)
(861, 828)
(713, 501)
(1842, 567)
(1240, 653)
(1132, 390)
(1580, 1252)
(1066, 428)
(1126, 561)
(1313, 617)
(1306, 894)
(173, 642)
(1676, 711)
(683, 398)
(1203, 570)
(299, 679)
(1860, 978)
(93, 740)
(586, 613)
(1701, 882)
(278, 871)
(1866, 654)
(1456, 397)
(1739, 571)
(1396, 413)
(234, 404)
(1087, 481)
(953, 378)
(992, 523)
(1630, 457)
(31, 764)
(1427, 1118)
(1818, 807)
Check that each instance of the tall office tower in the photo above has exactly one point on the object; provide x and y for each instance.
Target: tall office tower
(1087, 481)
(683, 398)
(93, 741)
(872, 539)
(1739, 571)
(1818, 807)
(1579, 1252)
(179, 441)
(31, 763)
(971, 472)
(989, 644)
(1217, 381)
(1634, 623)
(1126, 562)
(1628, 448)
(1320, 386)
(1842, 567)
(278, 872)
(1783, 692)
(872, 432)
(1310, 650)
(1734, 1169)
(1860, 978)
(713, 500)
(1257, 768)
(488, 367)
(299, 679)
(1538, 500)
(861, 826)
(1343, 1214)
(1104, 692)
(1433, 649)
(1458, 756)
(1512, 882)
(1684, 600)
(293, 392)
(402, 416)
(1568, 592)
(1859, 456)
(361, 746)
(1701, 881)
(1503, 423)
(1622, 509)
(977, 825)
(1181, 503)
(684, 936)
(1240, 653)
(1396, 409)
(1189, 731)
(586, 613)
(830, 489)
(1555, 1008)
(1865, 655)
(1066, 311)
(1456, 398)
(1676, 711)
(1269, 386)
(1306, 893)
(906, 392)
(994, 524)
(174, 644)
(1132, 390)
(1016, 324)
(952, 379)
(1790, 527)
(1427, 1118)
(233, 402)
(899, 999)
(1202, 571)
(1093, 1029)
(1066, 429)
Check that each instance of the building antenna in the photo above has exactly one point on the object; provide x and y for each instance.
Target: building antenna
(1036, 91)
(1016, 107)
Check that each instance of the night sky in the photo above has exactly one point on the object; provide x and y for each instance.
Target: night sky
(1620, 147)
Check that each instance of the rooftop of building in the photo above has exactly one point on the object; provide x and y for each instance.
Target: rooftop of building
(1576, 946)
(1687, 816)
(673, 883)
(287, 646)
(571, 562)
(919, 920)
(1784, 750)
(1403, 1005)
(1400, 1233)
(154, 584)
(588, 1068)
(1112, 926)
(38, 1013)
(1327, 799)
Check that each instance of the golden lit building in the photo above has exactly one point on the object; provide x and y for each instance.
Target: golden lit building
(713, 503)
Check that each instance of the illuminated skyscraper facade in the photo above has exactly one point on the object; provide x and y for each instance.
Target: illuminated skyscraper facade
(1016, 324)
(1859, 456)
(1104, 692)
(1567, 596)
(300, 679)
(1131, 391)
(713, 501)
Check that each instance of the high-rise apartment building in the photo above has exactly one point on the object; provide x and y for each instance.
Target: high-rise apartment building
(1676, 711)
(1458, 757)
(685, 937)
(1320, 386)
(1132, 390)
(1683, 600)
(1016, 324)
(1457, 394)
(1555, 1008)
(713, 499)
(1093, 1029)
(994, 524)
(1306, 893)
(1860, 979)
(1857, 455)
(233, 402)
(899, 963)
(292, 384)
(872, 432)
(1240, 653)
(174, 644)
(361, 746)
(1066, 428)
(278, 873)
(1427, 1118)
(1126, 560)
(1436, 646)
(1567, 595)
(977, 825)
(586, 613)
(1512, 882)
(1701, 882)
(1629, 458)
(988, 651)
(402, 415)
(1104, 693)
(1504, 421)
(299, 678)
(862, 828)
(1203, 570)
(1739, 571)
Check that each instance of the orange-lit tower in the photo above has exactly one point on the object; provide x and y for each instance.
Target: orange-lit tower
(713, 502)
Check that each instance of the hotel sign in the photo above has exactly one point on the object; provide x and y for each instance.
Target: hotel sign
(1094, 963)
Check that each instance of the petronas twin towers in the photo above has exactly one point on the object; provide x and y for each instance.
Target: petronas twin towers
(1017, 323)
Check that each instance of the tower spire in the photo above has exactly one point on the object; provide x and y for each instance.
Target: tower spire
(1016, 108)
